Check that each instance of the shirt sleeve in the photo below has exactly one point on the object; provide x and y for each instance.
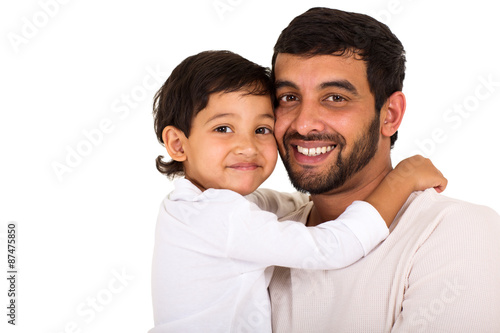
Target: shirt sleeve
(454, 281)
(279, 203)
(259, 237)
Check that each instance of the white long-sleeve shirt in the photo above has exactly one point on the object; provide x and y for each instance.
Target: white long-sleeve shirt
(438, 271)
(213, 250)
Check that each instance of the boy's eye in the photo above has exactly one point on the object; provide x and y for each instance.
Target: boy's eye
(263, 130)
(223, 129)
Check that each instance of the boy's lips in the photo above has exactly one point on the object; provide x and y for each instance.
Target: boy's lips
(244, 166)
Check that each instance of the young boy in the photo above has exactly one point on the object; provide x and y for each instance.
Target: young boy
(214, 248)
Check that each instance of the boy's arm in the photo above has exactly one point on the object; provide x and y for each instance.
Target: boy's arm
(412, 174)
(256, 236)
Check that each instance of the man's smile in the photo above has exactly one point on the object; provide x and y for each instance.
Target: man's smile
(315, 151)
(311, 152)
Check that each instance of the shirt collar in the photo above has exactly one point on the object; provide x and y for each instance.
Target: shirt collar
(184, 190)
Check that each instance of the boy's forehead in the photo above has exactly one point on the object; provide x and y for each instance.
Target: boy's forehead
(235, 95)
(233, 101)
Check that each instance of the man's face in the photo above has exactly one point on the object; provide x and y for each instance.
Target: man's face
(326, 125)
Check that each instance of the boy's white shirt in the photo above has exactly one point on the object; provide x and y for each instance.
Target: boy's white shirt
(214, 252)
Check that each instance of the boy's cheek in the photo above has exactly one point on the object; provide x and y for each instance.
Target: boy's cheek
(273, 157)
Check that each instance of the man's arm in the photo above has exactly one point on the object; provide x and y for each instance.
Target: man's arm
(454, 282)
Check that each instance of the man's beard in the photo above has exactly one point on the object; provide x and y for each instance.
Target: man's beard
(346, 166)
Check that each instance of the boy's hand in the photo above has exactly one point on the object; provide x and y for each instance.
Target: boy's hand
(420, 173)
(413, 174)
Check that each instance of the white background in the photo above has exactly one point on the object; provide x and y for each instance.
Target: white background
(71, 67)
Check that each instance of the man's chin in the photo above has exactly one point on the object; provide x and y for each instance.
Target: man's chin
(314, 184)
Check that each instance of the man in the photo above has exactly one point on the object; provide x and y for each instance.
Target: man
(339, 104)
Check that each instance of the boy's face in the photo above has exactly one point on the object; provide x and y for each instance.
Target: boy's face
(231, 144)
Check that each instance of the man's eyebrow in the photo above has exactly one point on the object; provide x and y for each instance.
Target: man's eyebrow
(285, 84)
(343, 84)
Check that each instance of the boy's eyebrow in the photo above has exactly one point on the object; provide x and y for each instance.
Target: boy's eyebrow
(267, 115)
(219, 115)
(222, 115)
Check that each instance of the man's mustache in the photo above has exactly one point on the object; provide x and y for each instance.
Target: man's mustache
(331, 137)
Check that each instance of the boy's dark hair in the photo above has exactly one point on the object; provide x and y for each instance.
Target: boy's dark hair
(188, 88)
(322, 31)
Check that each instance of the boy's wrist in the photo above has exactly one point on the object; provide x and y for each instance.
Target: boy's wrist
(401, 181)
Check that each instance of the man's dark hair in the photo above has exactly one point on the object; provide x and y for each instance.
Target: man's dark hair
(322, 31)
(188, 88)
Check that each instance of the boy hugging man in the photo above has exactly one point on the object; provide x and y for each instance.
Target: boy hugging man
(217, 236)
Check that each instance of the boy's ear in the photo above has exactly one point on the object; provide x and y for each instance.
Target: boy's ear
(393, 113)
(173, 138)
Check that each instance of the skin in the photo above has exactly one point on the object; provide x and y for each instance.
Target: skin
(329, 97)
(231, 143)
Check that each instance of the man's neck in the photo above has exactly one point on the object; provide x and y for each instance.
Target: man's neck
(329, 206)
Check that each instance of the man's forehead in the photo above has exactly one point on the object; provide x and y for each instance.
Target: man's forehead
(294, 68)
(352, 59)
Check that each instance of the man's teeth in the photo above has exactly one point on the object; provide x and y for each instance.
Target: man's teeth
(314, 151)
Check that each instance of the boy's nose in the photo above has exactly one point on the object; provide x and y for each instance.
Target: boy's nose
(246, 146)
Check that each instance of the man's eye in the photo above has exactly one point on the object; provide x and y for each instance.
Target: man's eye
(336, 98)
(263, 130)
(288, 98)
(223, 129)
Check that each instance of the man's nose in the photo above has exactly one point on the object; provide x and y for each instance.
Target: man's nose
(309, 118)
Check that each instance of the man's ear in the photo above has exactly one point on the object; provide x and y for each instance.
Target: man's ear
(393, 113)
(174, 138)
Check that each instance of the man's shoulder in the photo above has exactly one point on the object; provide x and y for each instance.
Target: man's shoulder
(300, 214)
(455, 206)
(450, 212)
